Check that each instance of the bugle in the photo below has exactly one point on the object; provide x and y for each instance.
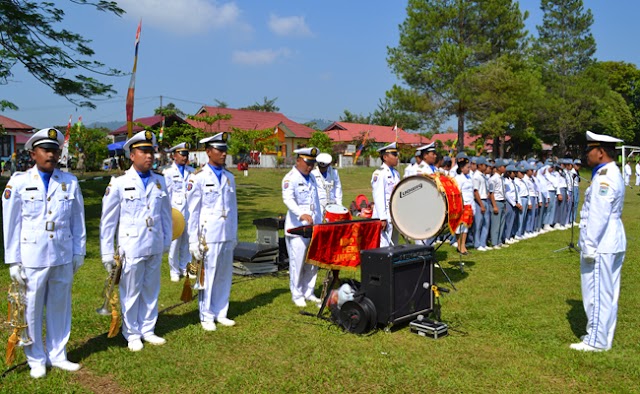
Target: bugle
(110, 284)
(196, 267)
(17, 309)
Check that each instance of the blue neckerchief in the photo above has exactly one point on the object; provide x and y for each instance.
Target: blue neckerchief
(433, 168)
(217, 171)
(145, 176)
(596, 168)
(306, 177)
(468, 177)
(46, 177)
(181, 169)
(325, 174)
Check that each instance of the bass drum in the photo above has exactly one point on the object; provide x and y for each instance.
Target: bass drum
(418, 208)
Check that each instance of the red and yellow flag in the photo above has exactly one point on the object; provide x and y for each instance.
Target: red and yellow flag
(132, 86)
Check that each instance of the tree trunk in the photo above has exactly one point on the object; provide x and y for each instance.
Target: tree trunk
(460, 145)
(502, 142)
(562, 141)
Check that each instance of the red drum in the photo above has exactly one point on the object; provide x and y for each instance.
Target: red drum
(335, 213)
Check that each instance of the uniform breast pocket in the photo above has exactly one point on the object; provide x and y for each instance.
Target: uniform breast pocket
(210, 196)
(65, 203)
(303, 195)
(33, 202)
(132, 201)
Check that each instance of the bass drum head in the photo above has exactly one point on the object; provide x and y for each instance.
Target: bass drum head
(417, 207)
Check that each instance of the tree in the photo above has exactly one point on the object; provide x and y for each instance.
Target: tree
(354, 118)
(624, 78)
(221, 104)
(30, 36)
(266, 106)
(442, 39)
(565, 49)
(92, 142)
(389, 114)
(244, 141)
(321, 141)
(168, 110)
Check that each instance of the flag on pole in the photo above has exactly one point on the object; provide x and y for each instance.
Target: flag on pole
(64, 157)
(395, 129)
(161, 130)
(132, 86)
(361, 147)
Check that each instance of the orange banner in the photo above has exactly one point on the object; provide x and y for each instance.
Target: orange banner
(338, 245)
(454, 200)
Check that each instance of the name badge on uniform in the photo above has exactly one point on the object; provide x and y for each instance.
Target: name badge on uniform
(158, 185)
(64, 187)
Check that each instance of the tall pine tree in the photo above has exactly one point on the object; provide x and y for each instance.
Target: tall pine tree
(440, 40)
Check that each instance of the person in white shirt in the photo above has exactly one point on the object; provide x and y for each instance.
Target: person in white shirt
(627, 174)
(575, 173)
(482, 215)
(602, 244)
(465, 184)
(383, 181)
(412, 169)
(638, 172)
(523, 198)
(428, 164)
(549, 173)
(498, 209)
(328, 181)
(512, 205)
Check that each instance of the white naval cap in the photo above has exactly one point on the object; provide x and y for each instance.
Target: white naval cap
(428, 148)
(180, 146)
(218, 141)
(48, 138)
(595, 140)
(392, 147)
(308, 154)
(324, 158)
(142, 139)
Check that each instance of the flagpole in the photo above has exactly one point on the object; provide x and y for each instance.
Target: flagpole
(132, 85)
(64, 158)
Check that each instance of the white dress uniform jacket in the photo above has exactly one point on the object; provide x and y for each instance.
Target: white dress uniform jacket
(179, 255)
(213, 209)
(301, 197)
(42, 231)
(383, 181)
(213, 206)
(329, 188)
(603, 244)
(139, 216)
(410, 170)
(426, 169)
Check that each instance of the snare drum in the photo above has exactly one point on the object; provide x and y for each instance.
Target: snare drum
(418, 208)
(335, 213)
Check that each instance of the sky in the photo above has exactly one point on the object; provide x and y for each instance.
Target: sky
(317, 58)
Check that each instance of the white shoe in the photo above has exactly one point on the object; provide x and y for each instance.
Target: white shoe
(175, 277)
(505, 245)
(547, 228)
(300, 302)
(155, 340)
(583, 347)
(455, 244)
(226, 322)
(208, 325)
(38, 372)
(488, 247)
(135, 345)
(66, 365)
(497, 247)
(510, 241)
(482, 249)
(576, 223)
(519, 238)
(315, 299)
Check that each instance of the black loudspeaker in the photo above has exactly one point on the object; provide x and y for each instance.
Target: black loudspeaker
(398, 279)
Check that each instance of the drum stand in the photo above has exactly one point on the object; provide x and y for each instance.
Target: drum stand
(438, 264)
(570, 245)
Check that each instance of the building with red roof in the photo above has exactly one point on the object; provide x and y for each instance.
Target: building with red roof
(15, 135)
(291, 135)
(150, 122)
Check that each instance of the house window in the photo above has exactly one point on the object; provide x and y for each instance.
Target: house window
(5, 146)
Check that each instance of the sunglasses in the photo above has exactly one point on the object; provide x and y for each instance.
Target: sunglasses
(393, 153)
(309, 162)
(183, 152)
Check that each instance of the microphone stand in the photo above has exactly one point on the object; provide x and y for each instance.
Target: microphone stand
(570, 245)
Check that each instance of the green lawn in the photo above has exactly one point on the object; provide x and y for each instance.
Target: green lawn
(511, 322)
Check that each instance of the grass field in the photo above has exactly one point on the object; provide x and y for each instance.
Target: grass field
(511, 322)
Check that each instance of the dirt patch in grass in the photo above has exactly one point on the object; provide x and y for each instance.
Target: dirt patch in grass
(98, 384)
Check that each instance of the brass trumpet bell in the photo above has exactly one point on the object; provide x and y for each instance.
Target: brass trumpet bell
(178, 224)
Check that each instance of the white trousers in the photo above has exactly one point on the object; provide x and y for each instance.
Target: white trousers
(302, 277)
(139, 290)
(50, 288)
(213, 301)
(389, 236)
(179, 255)
(600, 292)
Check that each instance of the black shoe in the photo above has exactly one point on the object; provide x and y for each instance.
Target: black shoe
(462, 253)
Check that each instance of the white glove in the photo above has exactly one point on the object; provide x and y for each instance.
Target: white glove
(108, 262)
(77, 262)
(194, 249)
(588, 259)
(16, 272)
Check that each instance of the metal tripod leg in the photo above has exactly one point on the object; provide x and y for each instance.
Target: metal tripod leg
(446, 276)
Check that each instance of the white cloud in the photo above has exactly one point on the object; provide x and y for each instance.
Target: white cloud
(259, 57)
(184, 16)
(289, 26)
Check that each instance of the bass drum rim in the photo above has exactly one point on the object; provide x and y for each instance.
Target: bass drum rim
(438, 206)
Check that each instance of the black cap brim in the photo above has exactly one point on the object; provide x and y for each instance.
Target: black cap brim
(47, 145)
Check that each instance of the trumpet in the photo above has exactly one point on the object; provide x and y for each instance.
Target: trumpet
(17, 295)
(196, 267)
(109, 286)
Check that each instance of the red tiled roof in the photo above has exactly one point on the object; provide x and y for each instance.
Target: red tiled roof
(250, 120)
(13, 125)
(347, 132)
(149, 121)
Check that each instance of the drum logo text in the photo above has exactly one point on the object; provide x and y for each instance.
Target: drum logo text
(410, 190)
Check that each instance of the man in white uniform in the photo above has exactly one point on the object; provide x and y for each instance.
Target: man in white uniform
(627, 174)
(638, 172)
(300, 195)
(44, 241)
(383, 180)
(328, 181)
(602, 244)
(413, 168)
(136, 210)
(213, 213)
(176, 178)
(428, 164)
